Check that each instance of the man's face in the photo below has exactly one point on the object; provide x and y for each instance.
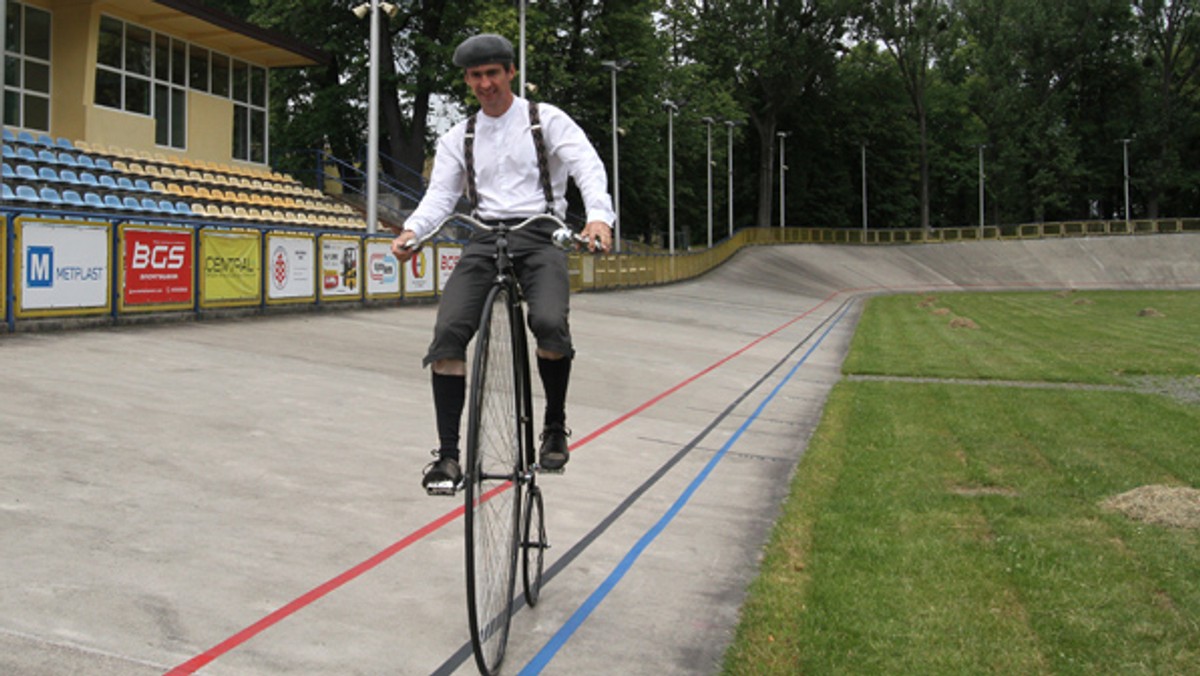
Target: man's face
(492, 85)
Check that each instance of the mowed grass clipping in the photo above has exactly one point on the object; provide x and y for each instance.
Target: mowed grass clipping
(939, 527)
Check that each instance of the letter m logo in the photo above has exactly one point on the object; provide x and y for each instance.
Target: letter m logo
(39, 266)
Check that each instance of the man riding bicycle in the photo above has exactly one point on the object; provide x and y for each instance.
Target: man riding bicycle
(512, 161)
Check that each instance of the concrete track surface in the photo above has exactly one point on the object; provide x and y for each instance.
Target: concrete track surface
(241, 496)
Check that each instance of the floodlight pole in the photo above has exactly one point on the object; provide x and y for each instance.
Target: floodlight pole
(708, 123)
(521, 63)
(615, 67)
(3, 57)
(729, 124)
(373, 126)
(672, 108)
(863, 148)
(782, 170)
(1125, 142)
(981, 189)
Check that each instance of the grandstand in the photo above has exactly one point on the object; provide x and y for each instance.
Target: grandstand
(171, 123)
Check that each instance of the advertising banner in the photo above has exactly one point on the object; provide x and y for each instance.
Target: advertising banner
(340, 268)
(383, 270)
(156, 268)
(447, 256)
(62, 267)
(4, 265)
(231, 275)
(291, 268)
(418, 274)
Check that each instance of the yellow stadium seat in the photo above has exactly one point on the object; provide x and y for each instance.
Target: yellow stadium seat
(159, 186)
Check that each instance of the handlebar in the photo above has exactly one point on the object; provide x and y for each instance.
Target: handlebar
(564, 237)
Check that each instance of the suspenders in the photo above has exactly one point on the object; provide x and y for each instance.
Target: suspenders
(539, 144)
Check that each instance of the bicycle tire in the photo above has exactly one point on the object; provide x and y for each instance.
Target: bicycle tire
(493, 486)
(533, 544)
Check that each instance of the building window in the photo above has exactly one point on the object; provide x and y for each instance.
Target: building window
(27, 67)
(140, 71)
(249, 112)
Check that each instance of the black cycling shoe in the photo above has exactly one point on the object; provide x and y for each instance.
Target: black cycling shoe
(553, 456)
(442, 476)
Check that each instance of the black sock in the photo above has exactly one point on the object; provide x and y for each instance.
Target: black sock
(449, 394)
(555, 374)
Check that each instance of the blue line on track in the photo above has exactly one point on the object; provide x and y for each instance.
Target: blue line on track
(556, 642)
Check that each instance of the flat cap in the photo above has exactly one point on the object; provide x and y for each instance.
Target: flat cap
(481, 49)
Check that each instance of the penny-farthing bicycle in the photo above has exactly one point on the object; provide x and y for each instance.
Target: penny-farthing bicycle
(504, 509)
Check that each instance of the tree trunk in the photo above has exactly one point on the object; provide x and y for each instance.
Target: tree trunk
(765, 126)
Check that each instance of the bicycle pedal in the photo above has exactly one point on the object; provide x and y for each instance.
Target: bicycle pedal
(442, 488)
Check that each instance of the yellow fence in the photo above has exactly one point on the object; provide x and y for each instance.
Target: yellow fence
(645, 269)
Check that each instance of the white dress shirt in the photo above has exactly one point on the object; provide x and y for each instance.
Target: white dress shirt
(506, 173)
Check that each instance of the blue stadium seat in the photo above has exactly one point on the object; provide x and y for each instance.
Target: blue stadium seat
(166, 207)
(103, 164)
(50, 196)
(47, 157)
(45, 141)
(85, 161)
(65, 144)
(8, 172)
(72, 198)
(89, 179)
(142, 185)
(112, 201)
(183, 208)
(48, 175)
(108, 182)
(149, 205)
(9, 152)
(6, 192)
(93, 200)
(26, 193)
(26, 173)
(124, 183)
(67, 159)
(25, 137)
(68, 176)
(131, 204)
(26, 154)
(9, 136)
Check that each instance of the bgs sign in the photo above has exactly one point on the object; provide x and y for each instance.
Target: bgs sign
(62, 267)
(157, 267)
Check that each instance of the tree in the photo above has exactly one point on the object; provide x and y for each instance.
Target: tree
(772, 56)
(1168, 33)
(915, 33)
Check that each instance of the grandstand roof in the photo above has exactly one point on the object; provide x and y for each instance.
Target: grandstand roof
(194, 20)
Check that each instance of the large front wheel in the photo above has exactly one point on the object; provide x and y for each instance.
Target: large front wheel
(493, 488)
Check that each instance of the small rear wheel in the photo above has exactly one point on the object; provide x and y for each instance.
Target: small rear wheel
(533, 544)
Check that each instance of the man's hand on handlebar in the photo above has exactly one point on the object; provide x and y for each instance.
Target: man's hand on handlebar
(404, 246)
(599, 236)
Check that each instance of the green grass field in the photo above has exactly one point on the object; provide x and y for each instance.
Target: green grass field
(942, 525)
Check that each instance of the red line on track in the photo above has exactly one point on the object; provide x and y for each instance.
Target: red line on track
(316, 593)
